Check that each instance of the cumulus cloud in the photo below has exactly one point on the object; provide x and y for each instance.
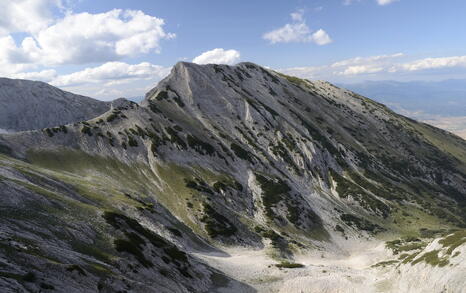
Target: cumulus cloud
(377, 66)
(218, 56)
(364, 65)
(432, 63)
(365, 60)
(321, 38)
(44, 75)
(37, 36)
(85, 38)
(112, 73)
(361, 69)
(25, 15)
(297, 32)
(347, 67)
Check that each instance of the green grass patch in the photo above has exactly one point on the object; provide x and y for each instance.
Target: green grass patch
(453, 241)
(432, 258)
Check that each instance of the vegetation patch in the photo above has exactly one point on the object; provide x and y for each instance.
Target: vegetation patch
(217, 224)
(347, 188)
(405, 245)
(289, 265)
(136, 239)
(223, 185)
(4, 149)
(178, 101)
(174, 138)
(360, 223)
(432, 258)
(198, 184)
(273, 191)
(77, 268)
(112, 116)
(277, 240)
(162, 95)
(453, 241)
(132, 142)
(280, 151)
(134, 248)
(200, 146)
(385, 263)
(242, 153)
(86, 130)
(49, 132)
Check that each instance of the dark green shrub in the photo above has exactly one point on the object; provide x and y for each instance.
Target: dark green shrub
(123, 245)
(132, 142)
(29, 277)
(49, 132)
(241, 153)
(200, 146)
(217, 224)
(86, 130)
(111, 117)
(72, 268)
(47, 286)
(289, 265)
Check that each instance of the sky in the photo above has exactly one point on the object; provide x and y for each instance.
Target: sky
(122, 48)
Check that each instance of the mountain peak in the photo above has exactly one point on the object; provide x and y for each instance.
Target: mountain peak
(236, 156)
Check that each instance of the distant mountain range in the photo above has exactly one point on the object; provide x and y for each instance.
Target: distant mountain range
(442, 98)
(441, 103)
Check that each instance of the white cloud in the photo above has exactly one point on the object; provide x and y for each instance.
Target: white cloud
(112, 73)
(10, 58)
(218, 56)
(297, 32)
(379, 67)
(385, 2)
(361, 69)
(321, 37)
(85, 38)
(298, 15)
(25, 15)
(44, 75)
(364, 65)
(366, 60)
(107, 81)
(348, 67)
(432, 63)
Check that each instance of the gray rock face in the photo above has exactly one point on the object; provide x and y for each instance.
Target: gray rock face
(218, 157)
(28, 105)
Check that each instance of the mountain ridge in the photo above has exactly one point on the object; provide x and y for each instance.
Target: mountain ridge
(240, 156)
(29, 105)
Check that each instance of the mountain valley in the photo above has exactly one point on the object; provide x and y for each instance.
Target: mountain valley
(231, 179)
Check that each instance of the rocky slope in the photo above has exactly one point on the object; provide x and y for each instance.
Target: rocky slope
(28, 105)
(219, 157)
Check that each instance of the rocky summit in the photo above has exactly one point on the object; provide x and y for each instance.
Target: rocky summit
(230, 179)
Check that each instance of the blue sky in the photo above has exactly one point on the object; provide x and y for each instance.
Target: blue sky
(90, 48)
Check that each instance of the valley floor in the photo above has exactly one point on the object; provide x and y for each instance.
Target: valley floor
(348, 272)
